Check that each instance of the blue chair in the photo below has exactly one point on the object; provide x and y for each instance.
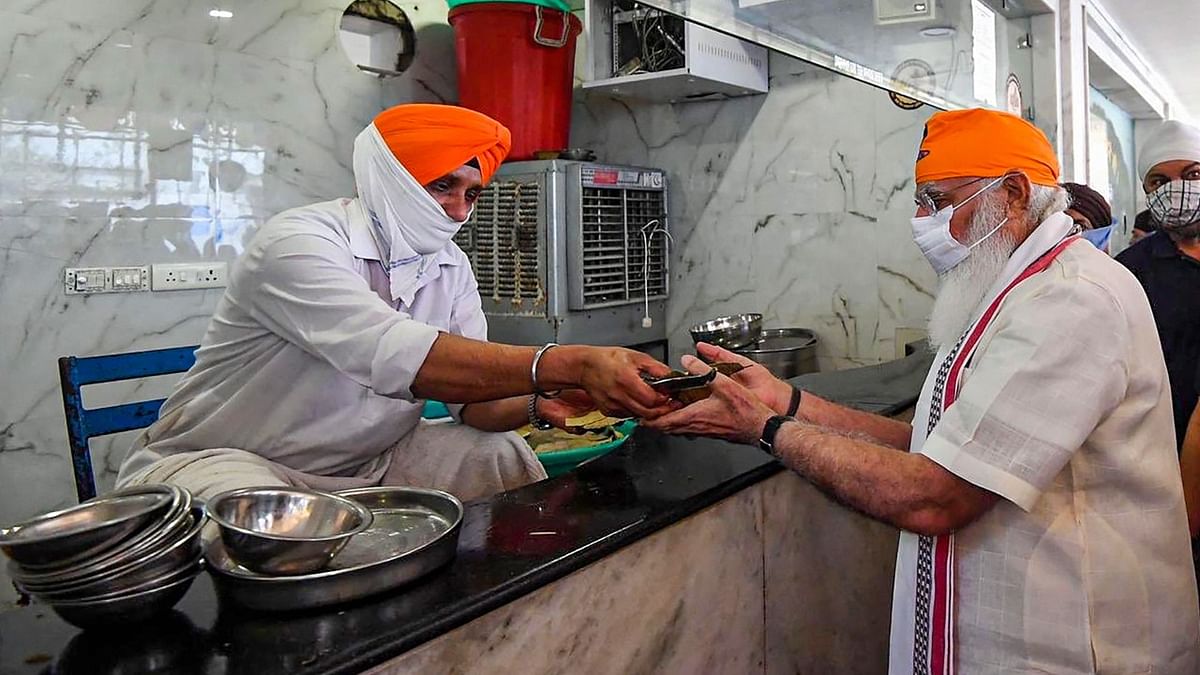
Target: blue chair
(82, 424)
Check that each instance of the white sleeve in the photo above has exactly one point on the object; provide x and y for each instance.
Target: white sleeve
(305, 289)
(1053, 369)
(466, 316)
(467, 319)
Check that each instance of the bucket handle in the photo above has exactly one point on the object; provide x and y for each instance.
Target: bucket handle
(554, 44)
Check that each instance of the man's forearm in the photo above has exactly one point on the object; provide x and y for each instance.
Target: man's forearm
(460, 370)
(903, 489)
(826, 414)
(503, 415)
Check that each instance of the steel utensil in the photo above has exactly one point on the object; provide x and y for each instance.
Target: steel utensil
(64, 537)
(173, 555)
(730, 332)
(286, 530)
(127, 608)
(383, 557)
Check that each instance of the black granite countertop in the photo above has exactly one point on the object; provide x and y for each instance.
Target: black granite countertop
(650, 483)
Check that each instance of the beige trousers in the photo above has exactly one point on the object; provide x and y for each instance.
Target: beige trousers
(461, 460)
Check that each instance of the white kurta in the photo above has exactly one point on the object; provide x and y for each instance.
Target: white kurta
(308, 360)
(1064, 411)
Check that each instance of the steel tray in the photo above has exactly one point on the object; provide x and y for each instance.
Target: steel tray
(415, 532)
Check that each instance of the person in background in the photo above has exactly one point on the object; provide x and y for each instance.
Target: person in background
(1091, 214)
(1167, 263)
(342, 317)
(1087, 208)
(1143, 224)
(1042, 530)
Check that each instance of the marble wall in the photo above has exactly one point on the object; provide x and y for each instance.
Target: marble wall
(794, 204)
(138, 132)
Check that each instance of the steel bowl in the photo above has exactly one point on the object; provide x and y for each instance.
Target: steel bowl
(177, 521)
(786, 352)
(730, 332)
(415, 532)
(64, 537)
(127, 608)
(286, 530)
(174, 554)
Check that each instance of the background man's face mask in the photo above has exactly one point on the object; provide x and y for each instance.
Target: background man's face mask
(932, 235)
(1176, 204)
(1098, 236)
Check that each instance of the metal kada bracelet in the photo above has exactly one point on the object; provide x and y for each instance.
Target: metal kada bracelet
(533, 371)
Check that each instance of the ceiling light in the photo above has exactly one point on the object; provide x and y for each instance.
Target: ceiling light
(220, 14)
(938, 31)
(920, 7)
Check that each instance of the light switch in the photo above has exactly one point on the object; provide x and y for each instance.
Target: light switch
(87, 280)
(130, 279)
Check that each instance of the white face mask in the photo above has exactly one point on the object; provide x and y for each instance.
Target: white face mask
(410, 218)
(932, 235)
(408, 223)
(1176, 204)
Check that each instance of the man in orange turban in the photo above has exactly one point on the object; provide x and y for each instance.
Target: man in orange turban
(1037, 490)
(343, 317)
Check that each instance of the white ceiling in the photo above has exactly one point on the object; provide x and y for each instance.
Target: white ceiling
(1165, 32)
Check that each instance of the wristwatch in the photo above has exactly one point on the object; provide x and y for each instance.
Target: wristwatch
(536, 421)
(770, 429)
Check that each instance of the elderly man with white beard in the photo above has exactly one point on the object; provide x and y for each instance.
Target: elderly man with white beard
(1037, 491)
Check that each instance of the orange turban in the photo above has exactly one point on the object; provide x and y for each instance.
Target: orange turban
(433, 140)
(984, 143)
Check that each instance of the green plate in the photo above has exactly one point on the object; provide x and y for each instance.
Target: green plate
(435, 410)
(561, 461)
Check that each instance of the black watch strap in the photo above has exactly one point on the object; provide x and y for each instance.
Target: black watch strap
(794, 406)
(770, 429)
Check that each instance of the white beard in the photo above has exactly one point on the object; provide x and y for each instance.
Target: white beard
(963, 288)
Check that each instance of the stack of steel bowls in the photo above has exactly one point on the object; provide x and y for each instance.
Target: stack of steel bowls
(126, 556)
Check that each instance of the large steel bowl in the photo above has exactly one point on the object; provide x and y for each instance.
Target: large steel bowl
(61, 538)
(730, 332)
(286, 530)
(786, 352)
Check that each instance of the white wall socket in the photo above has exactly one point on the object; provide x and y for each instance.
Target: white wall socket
(184, 276)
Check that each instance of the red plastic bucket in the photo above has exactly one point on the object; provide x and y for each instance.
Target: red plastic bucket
(516, 63)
